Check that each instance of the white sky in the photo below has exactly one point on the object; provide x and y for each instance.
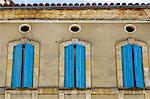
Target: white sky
(83, 1)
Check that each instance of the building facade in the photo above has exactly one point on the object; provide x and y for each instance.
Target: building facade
(54, 51)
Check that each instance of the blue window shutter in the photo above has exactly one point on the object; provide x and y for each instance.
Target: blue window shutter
(80, 66)
(17, 67)
(28, 66)
(127, 63)
(69, 66)
(138, 67)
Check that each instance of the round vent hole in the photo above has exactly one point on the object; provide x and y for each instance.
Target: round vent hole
(130, 28)
(75, 28)
(24, 28)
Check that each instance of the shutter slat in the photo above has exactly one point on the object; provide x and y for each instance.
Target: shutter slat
(28, 66)
(127, 63)
(138, 67)
(69, 67)
(17, 66)
(80, 66)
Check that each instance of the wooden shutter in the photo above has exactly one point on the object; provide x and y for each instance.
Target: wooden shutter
(80, 66)
(138, 66)
(69, 66)
(17, 66)
(28, 66)
(127, 64)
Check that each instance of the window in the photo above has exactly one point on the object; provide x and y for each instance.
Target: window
(75, 66)
(132, 64)
(22, 69)
(132, 67)
(23, 64)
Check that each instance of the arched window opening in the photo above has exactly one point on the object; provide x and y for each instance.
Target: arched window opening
(75, 66)
(132, 66)
(23, 63)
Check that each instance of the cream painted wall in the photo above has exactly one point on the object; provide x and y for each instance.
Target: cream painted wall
(102, 37)
(104, 96)
(134, 97)
(48, 97)
(21, 97)
(2, 97)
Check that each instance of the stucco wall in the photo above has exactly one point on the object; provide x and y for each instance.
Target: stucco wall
(102, 37)
(48, 97)
(2, 96)
(134, 96)
(21, 97)
(104, 97)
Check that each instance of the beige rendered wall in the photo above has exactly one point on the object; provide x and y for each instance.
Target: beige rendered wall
(104, 97)
(48, 97)
(102, 38)
(21, 97)
(134, 97)
(2, 97)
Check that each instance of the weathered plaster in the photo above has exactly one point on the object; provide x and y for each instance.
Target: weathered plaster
(109, 14)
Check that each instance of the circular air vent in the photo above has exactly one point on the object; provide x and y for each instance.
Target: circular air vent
(130, 28)
(75, 28)
(24, 28)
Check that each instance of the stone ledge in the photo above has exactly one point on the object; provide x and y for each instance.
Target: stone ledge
(93, 91)
(101, 14)
(87, 92)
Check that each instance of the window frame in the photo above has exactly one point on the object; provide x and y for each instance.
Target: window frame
(87, 61)
(10, 61)
(145, 61)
